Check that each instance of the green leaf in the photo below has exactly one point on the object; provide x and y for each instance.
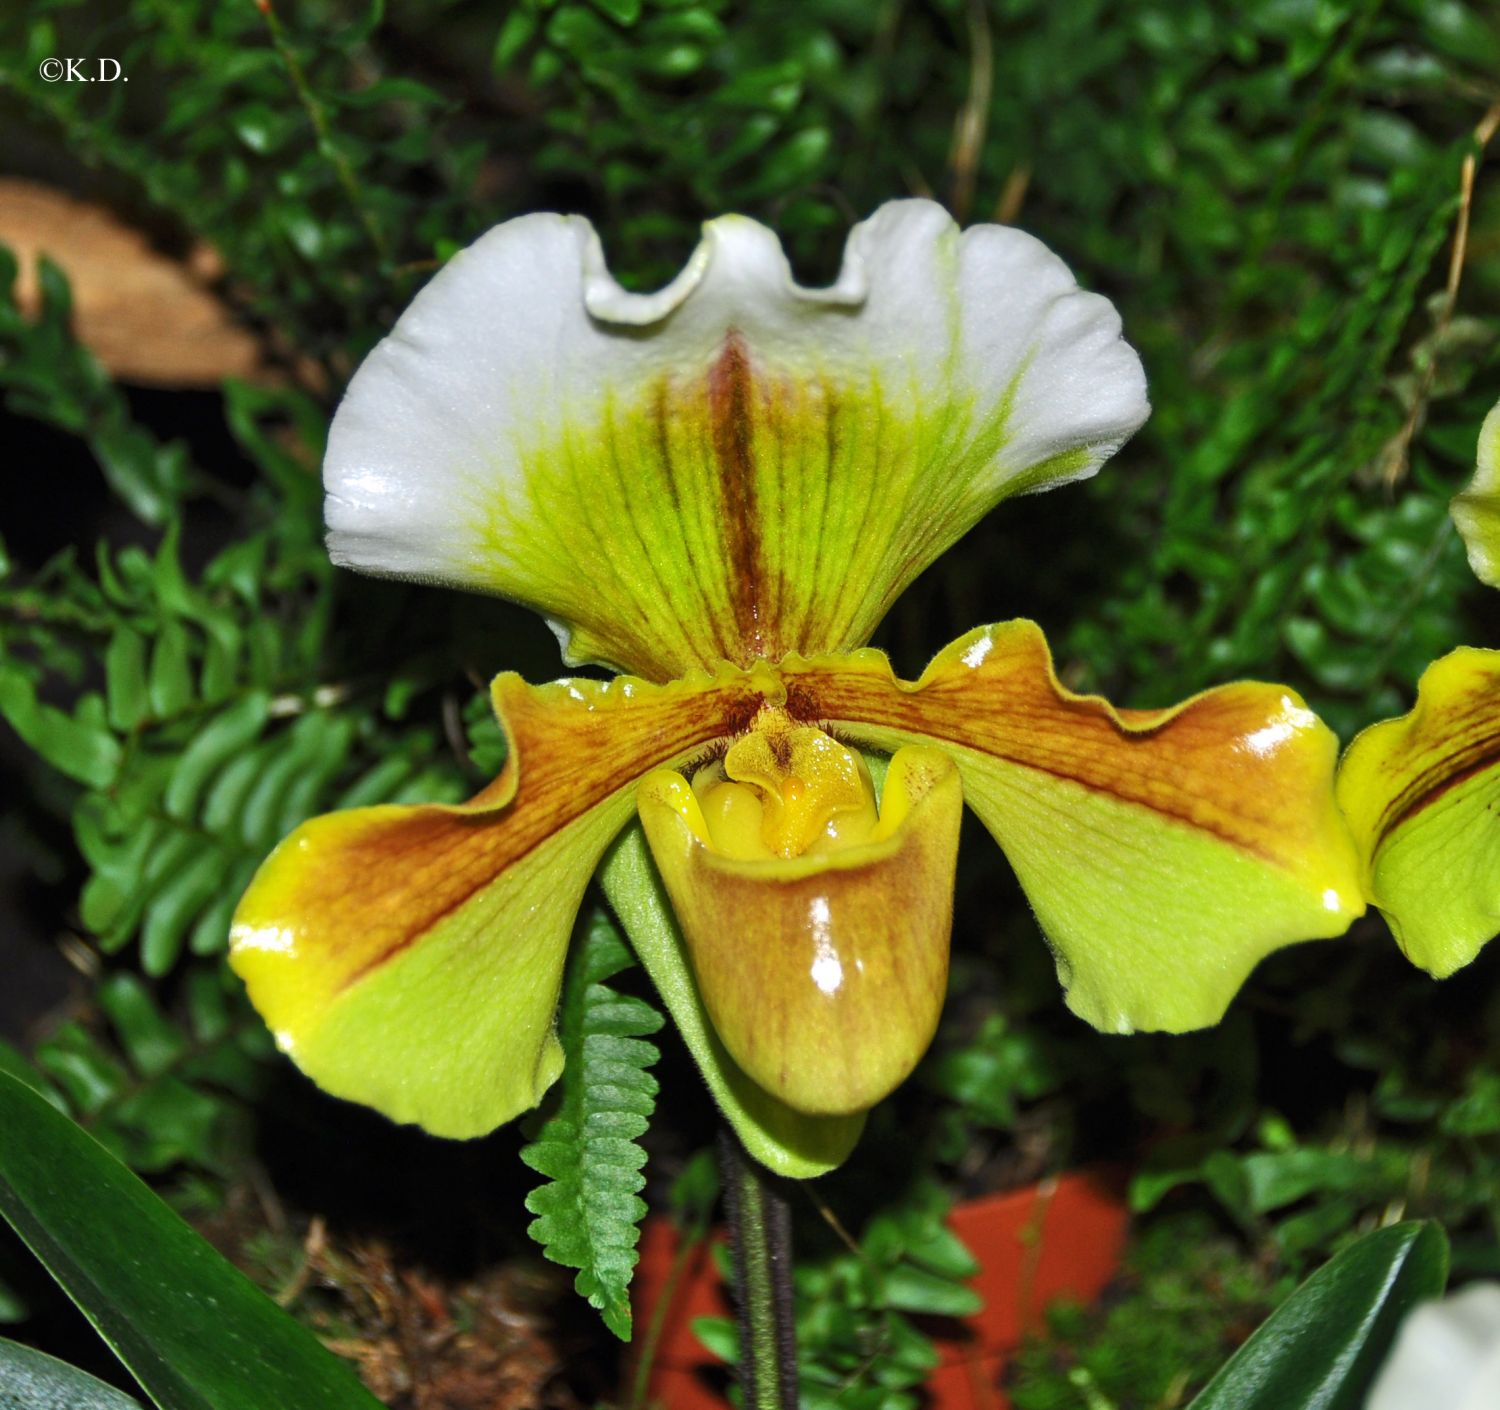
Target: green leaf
(30, 1380)
(185, 892)
(229, 733)
(515, 34)
(942, 1251)
(79, 747)
(1274, 1179)
(194, 1331)
(622, 12)
(590, 1211)
(930, 1294)
(1477, 1112)
(13, 1306)
(150, 1042)
(89, 1077)
(12, 1061)
(1320, 1350)
(720, 1336)
(125, 673)
(171, 681)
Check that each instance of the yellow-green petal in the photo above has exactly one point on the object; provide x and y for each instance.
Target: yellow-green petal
(1165, 852)
(735, 466)
(789, 1142)
(410, 957)
(1422, 795)
(1477, 510)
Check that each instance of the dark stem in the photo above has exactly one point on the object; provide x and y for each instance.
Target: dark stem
(760, 1228)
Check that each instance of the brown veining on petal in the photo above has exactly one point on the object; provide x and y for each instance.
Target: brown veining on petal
(1471, 746)
(731, 393)
(398, 872)
(1214, 764)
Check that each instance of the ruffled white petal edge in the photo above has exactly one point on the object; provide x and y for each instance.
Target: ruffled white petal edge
(730, 242)
(497, 439)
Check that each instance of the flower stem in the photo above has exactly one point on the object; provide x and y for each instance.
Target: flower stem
(760, 1225)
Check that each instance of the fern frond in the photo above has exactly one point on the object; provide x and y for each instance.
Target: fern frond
(590, 1209)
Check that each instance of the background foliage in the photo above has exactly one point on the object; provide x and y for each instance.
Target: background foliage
(1270, 191)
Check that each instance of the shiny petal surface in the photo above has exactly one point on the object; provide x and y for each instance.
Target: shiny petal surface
(410, 957)
(789, 1142)
(1165, 852)
(1422, 795)
(1477, 510)
(735, 466)
(824, 975)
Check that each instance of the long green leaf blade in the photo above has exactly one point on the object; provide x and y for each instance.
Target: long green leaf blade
(31, 1380)
(195, 1332)
(1322, 1347)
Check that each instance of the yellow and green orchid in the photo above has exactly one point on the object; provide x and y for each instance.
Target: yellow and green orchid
(718, 490)
(1422, 793)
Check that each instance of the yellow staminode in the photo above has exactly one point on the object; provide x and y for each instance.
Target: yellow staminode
(784, 789)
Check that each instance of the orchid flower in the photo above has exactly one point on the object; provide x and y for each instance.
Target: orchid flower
(717, 490)
(1422, 792)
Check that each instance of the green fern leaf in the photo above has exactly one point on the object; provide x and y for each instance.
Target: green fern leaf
(590, 1210)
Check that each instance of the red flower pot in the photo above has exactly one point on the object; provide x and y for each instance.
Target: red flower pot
(1062, 1237)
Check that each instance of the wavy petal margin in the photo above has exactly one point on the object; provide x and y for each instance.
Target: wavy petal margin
(1165, 852)
(1422, 795)
(733, 467)
(823, 974)
(1477, 510)
(410, 957)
